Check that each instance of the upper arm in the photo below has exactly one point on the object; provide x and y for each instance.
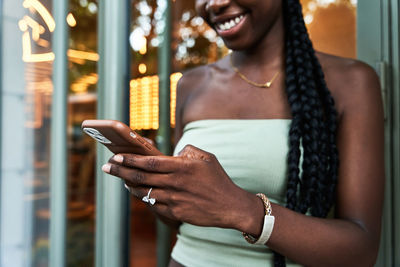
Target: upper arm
(360, 143)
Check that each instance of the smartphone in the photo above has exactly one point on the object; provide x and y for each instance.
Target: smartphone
(118, 137)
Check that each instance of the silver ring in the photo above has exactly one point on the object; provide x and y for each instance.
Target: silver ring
(148, 199)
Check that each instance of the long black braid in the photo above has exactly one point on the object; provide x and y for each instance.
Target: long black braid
(313, 129)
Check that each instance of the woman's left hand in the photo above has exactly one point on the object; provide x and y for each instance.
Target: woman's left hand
(191, 187)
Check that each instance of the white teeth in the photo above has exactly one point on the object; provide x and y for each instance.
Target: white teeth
(230, 24)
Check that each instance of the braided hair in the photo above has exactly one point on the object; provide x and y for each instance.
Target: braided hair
(312, 133)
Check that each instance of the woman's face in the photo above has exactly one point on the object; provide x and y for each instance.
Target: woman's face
(240, 23)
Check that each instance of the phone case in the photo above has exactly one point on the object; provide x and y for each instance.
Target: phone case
(118, 137)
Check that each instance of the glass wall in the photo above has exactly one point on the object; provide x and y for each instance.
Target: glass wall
(26, 104)
(27, 88)
(82, 102)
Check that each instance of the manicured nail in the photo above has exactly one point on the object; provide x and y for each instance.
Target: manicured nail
(106, 168)
(118, 158)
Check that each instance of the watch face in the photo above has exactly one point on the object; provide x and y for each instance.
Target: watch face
(95, 134)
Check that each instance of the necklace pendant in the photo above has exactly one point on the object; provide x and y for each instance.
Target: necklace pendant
(267, 85)
(244, 78)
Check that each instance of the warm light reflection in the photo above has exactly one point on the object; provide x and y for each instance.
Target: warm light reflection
(27, 55)
(71, 20)
(37, 29)
(143, 49)
(39, 88)
(144, 102)
(142, 68)
(91, 56)
(174, 82)
(81, 85)
(43, 12)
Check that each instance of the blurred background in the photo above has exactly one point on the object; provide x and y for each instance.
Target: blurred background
(27, 57)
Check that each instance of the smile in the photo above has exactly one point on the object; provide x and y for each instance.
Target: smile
(227, 25)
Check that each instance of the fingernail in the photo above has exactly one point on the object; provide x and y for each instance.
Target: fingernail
(118, 158)
(106, 168)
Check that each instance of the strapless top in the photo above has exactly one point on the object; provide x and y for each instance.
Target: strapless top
(254, 155)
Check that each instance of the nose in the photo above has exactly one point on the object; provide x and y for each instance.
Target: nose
(215, 6)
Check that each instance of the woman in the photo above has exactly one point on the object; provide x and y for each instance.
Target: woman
(273, 127)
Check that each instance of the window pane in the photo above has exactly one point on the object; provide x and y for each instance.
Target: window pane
(26, 117)
(26, 104)
(82, 102)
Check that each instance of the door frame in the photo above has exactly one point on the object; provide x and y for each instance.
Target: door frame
(378, 45)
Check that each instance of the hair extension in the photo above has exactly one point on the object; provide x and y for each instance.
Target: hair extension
(312, 134)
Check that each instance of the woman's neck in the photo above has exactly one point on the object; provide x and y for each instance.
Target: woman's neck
(267, 55)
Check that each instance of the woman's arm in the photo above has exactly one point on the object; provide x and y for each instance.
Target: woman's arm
(352, 238)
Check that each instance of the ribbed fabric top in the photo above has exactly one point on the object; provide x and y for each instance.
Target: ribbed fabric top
(254, 155)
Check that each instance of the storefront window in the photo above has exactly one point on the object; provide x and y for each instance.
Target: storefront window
(27, 88)
(26, 104)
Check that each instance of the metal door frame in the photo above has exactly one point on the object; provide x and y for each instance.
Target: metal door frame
(378, 45)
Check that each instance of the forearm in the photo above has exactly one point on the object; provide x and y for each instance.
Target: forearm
(314, 241)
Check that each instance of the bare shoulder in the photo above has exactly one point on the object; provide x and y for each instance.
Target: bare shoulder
(198, 79)
(195, 78)
(193, 82)
(354, 85)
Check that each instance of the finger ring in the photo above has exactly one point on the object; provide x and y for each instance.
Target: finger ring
(148, 199)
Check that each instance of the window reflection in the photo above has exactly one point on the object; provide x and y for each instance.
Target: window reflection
(28, 55)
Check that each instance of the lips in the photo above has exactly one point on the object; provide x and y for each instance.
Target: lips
(227, 26)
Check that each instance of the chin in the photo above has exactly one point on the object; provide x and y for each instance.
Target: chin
(237, 45)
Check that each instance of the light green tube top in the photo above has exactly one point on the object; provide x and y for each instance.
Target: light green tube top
(254, 155)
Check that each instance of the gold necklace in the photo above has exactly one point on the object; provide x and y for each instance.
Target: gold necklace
(244, 78)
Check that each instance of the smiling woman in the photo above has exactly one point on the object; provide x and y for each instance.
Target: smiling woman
(261, 133)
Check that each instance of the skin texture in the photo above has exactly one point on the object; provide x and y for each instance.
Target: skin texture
(195, 178)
